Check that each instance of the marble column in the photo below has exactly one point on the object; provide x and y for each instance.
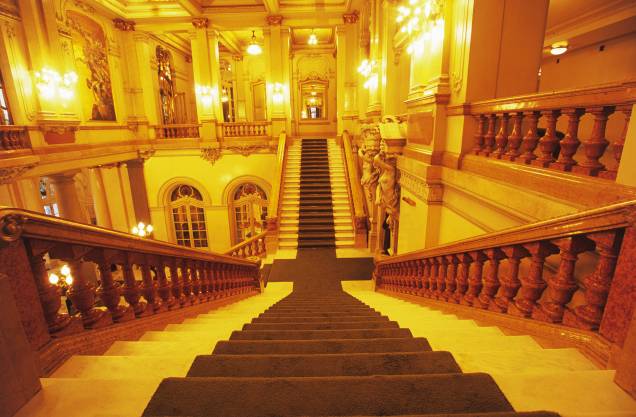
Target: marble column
(68, 201)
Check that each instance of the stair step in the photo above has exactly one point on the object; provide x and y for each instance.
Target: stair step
(305, 319)
(319, 334)
(358, 364)
(323, 325)
(374, 395)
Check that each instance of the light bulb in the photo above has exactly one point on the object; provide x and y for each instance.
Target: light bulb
(135, 230)
(65, 270)
(68, 279)
(141, 225)
(254, 49)
(54, 278)
(149, 228)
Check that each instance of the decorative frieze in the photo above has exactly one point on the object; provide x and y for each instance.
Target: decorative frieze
(246, 150)
(351, 18)
(124, 25)
(10, 174)
(432, 193)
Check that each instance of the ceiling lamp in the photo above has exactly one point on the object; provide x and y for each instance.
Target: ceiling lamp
(559, 48)
(254, 48)
(313, 40)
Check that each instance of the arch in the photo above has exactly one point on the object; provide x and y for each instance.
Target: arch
(246, 214)
(236, 182)
(163, 196)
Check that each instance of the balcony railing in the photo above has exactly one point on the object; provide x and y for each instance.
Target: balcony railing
(468, 272)
(252, 247)
(245, 130)
(523, 129)
(177, 131)
(171, 276)
(13, 138)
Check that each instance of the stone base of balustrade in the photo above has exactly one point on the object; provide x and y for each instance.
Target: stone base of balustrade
(592, 345)
(97, 341)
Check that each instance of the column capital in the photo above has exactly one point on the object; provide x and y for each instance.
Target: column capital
(200, 22)
(351, 18)
(124, 25)
(237, 57)
(274, 19)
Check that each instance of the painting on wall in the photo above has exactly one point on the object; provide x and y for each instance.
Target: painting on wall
(91, 60)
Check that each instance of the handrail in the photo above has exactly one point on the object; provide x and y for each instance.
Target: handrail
(274, 205)
(353, 175)
(455, 272)
(171, 276)
(254, 246)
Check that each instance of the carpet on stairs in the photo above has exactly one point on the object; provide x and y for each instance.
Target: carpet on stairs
(322, 352)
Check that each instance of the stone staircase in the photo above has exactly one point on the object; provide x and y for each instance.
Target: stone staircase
(316, 210)
(328, 355)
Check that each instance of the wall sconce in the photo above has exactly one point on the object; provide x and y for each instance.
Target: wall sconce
(51, 84)
(206, 94)
(559, 48)
(278, 92)
(143, 230)
(224, 96)
(365, 69)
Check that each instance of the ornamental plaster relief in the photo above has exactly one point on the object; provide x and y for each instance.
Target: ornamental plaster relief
(432, 193)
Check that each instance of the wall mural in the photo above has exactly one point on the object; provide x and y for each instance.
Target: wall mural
(91, 60)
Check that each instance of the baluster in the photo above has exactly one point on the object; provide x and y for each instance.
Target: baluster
(177, 283)
(462, 277)
(491, 280)
(510, 282)
(563, 285)
(187, 282)
(110, 294)
(132, 295)
(531, 139)
(407, 276)
(215, 280)
(570, 143)
(149, 289)
(549, 141)
(50, 298)
(413, 277)
(597, 284)
(82, 294)
(441, 276)
(204, 276)
(419, 272)
(451, 277)
(164, 288)
(617, 146)
(474, 277)
(514, 140)
(426, 274)
(533, 285)
(595, 146)
(489, 137)
(196, 281)
(223, 280)
(502, 137)
(432, 289)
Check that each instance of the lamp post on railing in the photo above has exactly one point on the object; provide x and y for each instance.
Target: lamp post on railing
(143, 230)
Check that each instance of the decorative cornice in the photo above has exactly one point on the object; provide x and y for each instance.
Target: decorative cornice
(124, 25)
(59, 127)
(211, 154)
(10, 174)
(246, 150)
(145, 154)
(274, 19)
(200, 22)
(351, 18)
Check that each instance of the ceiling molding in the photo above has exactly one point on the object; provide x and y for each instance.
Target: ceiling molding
(191, 6)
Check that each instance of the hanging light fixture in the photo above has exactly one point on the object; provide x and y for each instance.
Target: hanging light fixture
(559, 48)
(313, 39)
(254, 48)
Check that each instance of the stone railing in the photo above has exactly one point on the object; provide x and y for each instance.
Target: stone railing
(177, 131)
(523, 129)
(245, 130)
(252, 247)
(355, 190)
(506, 271)
(114, 277)
(13, 138)
(273, 211)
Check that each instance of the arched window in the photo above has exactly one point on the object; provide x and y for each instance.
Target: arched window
(188, 217)
(248, 206)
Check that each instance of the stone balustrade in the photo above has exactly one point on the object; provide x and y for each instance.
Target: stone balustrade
(177, 131)
(507, 271)
(252, 247)
(13, 138)
(245, 129)
(524, 129)
(116, 277)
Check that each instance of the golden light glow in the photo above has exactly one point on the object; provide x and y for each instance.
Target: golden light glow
(142, 229)
(65, 270)
(206, 94)
(421, 21)
(254, 48)
(559, 48)
(278, 92)
(313, 39)
(366, 69)
(54, 278)
(52, 85)
(68, 279)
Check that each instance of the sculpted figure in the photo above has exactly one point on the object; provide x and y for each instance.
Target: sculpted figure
(368, 150)
(387, 193)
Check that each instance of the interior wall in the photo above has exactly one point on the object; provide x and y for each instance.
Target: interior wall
(590, 65)
(165, 169)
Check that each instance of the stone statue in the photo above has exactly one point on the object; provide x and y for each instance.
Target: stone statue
(387, 195)
(368, 150)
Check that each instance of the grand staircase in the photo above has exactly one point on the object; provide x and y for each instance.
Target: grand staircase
(316, 211)
(328, 354)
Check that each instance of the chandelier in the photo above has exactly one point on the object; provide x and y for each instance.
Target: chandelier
(254, 48)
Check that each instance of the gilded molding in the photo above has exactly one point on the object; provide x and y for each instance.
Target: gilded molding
(124, 25)
(60, 127)
(10, 174)
(351, 18)
(246, 150)
(274, 19)
(145, 154)
(200, 22)
(211, 154)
